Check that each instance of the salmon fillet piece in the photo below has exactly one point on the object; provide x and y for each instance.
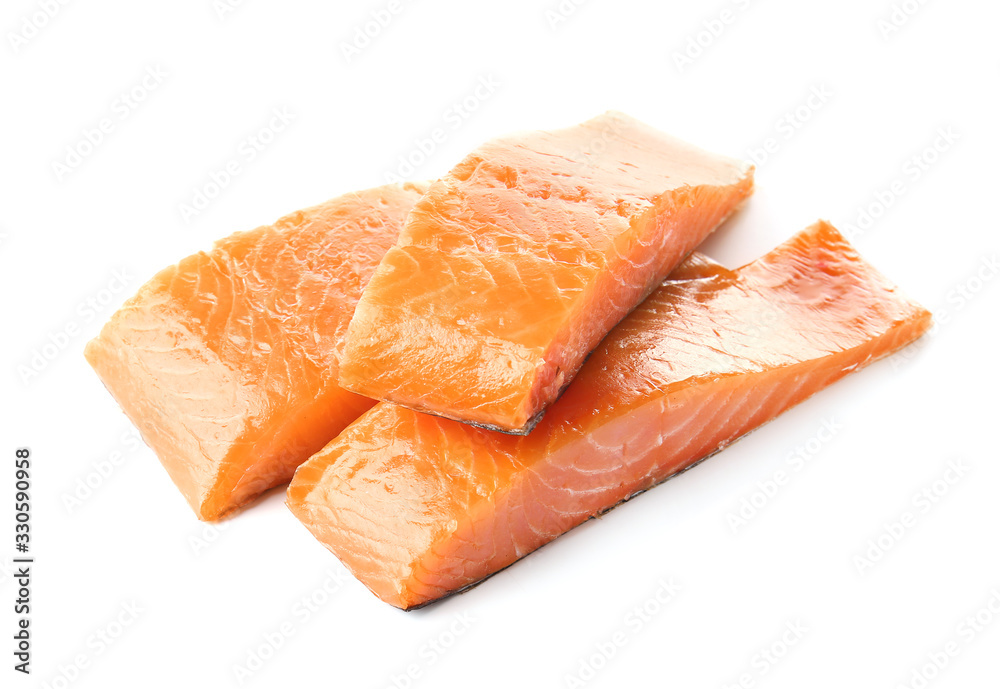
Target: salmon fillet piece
(227, 362)
(418, 507)
(520, 260)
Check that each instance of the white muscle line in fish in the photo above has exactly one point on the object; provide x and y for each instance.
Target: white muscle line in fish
(508, 523)
(575, 495)
(220, 312)
(156, 327)
(537, 529)
(477, 542)
(515, 267)
(681, 428)
(570, 515)
(282, 362)
(539, 478)
(606, 451)
(651, 457)
(793, 391)
(775, 398)
(646, 456)
(414, 576)
(143, 356)
(717, 409)
(618, 301)
(346, 514)
(517, 502)
(636, 445)
(655, 472)
(753, 403)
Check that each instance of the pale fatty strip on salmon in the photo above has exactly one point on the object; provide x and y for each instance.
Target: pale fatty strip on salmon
(520, 260)
(228, 362)
(418, 506)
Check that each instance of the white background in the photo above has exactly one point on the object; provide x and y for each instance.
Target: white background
(203, 609)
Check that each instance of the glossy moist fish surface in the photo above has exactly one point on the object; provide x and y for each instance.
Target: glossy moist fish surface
(417, 506)
(519, 261)
(228, 361)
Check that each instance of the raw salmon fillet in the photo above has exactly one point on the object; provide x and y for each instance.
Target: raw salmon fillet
(520, 260)
(228, 362)
(417, 506)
